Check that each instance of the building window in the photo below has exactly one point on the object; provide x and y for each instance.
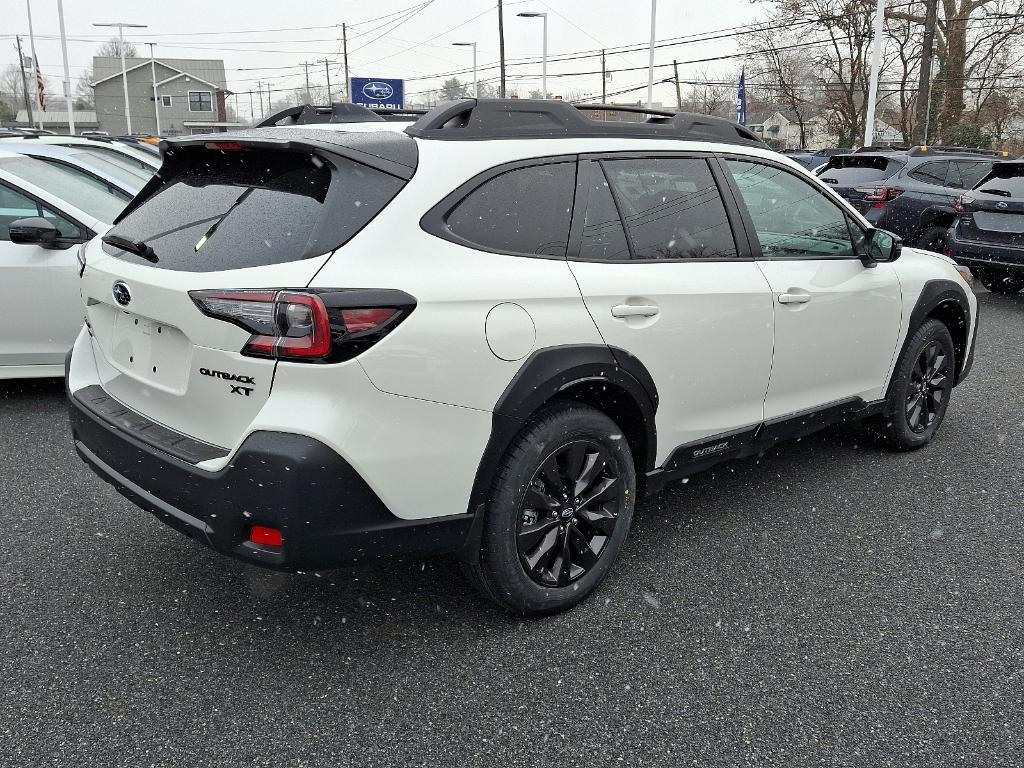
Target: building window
(165, 100)
(200, 101)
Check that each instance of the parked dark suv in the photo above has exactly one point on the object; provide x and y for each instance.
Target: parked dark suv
(909, 192)
(989, 232)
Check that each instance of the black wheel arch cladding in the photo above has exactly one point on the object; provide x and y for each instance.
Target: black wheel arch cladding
(946, 301)
(609, 379)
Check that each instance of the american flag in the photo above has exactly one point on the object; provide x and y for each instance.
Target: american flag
(41, 88)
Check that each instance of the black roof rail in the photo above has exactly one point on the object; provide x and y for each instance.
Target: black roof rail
(929, 149)
(308, 114)
(399, 114)
(879, 148)
(472, 119)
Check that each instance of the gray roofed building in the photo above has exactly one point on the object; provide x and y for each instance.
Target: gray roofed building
(190, 95)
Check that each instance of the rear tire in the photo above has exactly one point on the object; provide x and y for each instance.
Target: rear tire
(1001, 282)
(933, 239)
(558, 513)
(920, 389)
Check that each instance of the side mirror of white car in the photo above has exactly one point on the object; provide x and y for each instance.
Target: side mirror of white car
(34, 230)
(883, 246)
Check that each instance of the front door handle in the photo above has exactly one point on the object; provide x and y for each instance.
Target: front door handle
(634, 310)
(794, 298)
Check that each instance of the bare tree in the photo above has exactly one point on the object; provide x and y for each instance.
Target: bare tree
(784, 76)
(112, 48)
(708, 96)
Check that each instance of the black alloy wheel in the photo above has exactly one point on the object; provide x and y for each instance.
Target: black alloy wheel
(568, 513)
(929, 387)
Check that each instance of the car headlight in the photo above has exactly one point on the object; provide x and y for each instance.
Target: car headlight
(966, 274)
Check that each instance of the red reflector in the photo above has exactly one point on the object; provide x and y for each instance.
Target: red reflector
(268, 537)
(226, 146)
(360, 320)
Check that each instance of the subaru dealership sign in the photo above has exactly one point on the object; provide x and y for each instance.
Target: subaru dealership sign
(378, 92)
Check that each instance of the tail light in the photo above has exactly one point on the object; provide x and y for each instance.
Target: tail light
(880, 195)
(311, 326)
(961, 201)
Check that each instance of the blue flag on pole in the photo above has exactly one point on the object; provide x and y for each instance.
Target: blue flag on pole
(741, 99)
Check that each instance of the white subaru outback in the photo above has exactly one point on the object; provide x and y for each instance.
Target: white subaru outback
(488, 334)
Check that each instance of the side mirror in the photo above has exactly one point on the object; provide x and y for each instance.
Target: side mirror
(33, 231)
(883, 246)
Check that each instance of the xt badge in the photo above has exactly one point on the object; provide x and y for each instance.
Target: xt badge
(236, 389)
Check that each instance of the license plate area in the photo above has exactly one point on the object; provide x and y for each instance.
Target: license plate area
(150, 351)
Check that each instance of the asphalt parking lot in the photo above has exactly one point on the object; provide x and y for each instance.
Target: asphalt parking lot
(829, 604)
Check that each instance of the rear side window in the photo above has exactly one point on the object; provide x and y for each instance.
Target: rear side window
(521, 211)
(931, 173)
(231, 210)
(672, 208)
(972, 171)
(603, 236)
(848, 170)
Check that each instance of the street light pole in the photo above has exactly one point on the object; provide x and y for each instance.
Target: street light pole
(876, 64)
(544, 59)
(650, 59)
(68, 100)
(156, 99)
(476, 83)
(124, 70)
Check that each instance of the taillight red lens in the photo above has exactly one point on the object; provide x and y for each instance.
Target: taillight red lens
(880, 195)
(283, 324)
(362, 320)
(265, 536)
(224, 146)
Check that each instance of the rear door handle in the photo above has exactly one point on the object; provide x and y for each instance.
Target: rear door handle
(634, 310)
(794, 298)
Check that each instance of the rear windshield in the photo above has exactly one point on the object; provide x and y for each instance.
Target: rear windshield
(846, 170)
(237, 209)
(77, 188)
(1004, 185)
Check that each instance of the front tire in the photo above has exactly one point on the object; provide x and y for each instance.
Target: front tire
(558, 513)
(921, 387)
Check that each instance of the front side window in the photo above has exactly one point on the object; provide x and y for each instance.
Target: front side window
(792, 218)
(522, 211)
(200, 101)
(671, 207)
(14, 205)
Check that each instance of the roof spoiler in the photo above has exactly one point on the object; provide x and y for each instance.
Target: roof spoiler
(309, 114)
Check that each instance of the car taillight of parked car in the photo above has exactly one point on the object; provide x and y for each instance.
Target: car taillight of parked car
(880, 195)
(961, 201)
(298, 325)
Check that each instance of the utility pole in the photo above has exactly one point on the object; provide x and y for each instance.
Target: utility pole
(501, 49)
(156, 99)
(35, 64)
(68, 100)
(679, 96)
(306, 65)
(252, 112)
(327, 69)
(876, 65)
(24, 83)
(924, 85)
(650, 59)
(604, 80)
(344, 51)
(259, 93)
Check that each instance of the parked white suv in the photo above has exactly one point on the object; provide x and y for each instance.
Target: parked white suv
(487, 335)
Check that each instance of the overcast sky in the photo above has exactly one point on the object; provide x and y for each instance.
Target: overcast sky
(415, 45)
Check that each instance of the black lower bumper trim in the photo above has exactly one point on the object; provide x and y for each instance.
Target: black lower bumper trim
(326, 512)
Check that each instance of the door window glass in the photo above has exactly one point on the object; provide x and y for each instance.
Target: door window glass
(791, 217)
(603, 236)
(14, 206)
(672, 208)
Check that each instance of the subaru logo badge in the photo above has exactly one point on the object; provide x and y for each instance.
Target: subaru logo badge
(121, 294)
(378, 91)
(1001, 205)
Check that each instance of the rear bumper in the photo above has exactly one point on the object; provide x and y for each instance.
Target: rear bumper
(326, 512)
(976, 254)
